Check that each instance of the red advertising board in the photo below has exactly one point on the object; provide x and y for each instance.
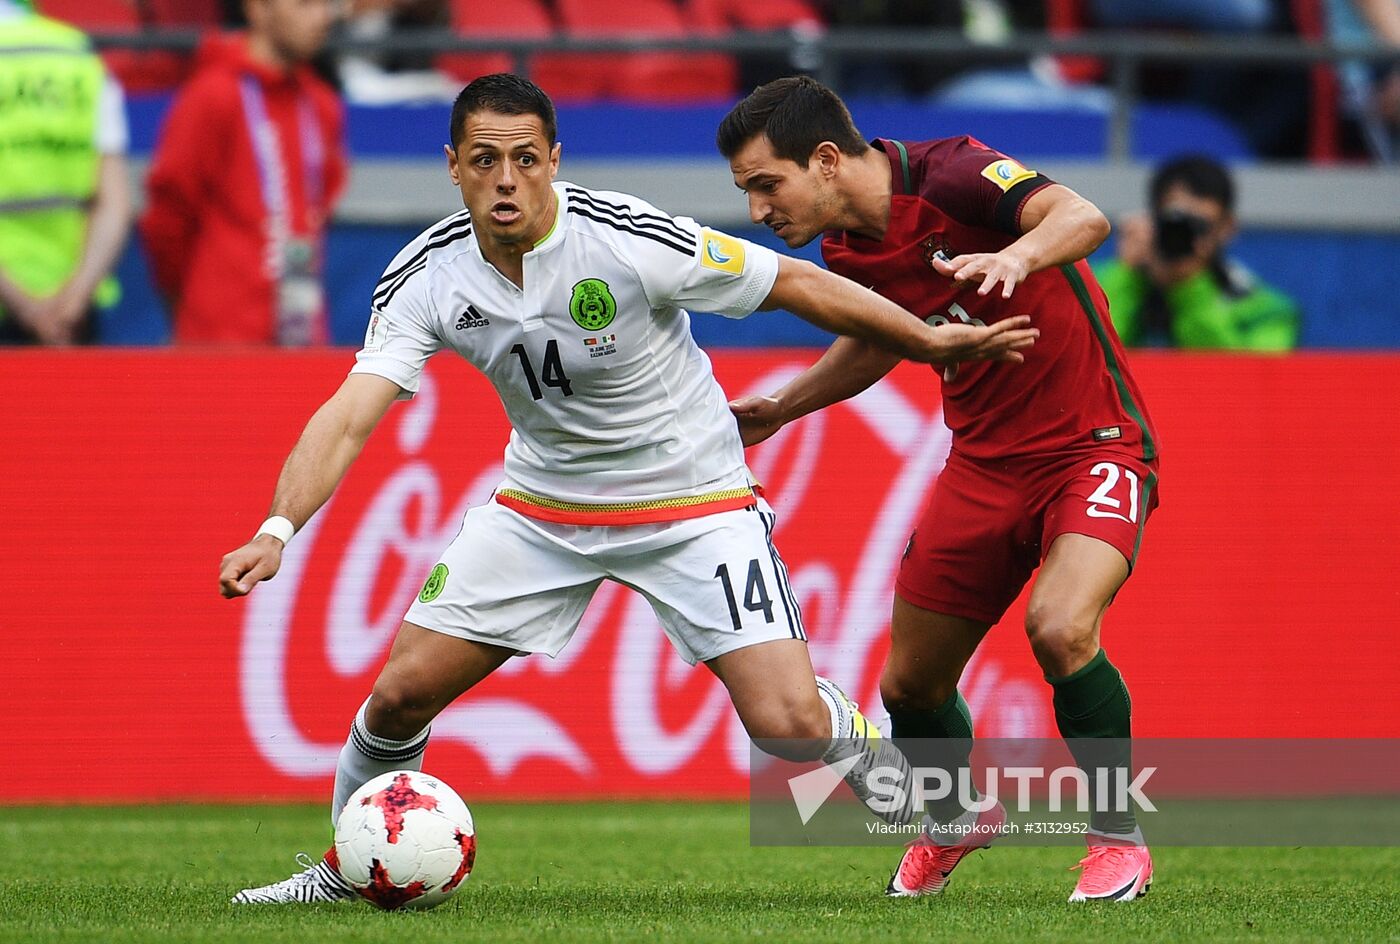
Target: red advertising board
(1266, 601)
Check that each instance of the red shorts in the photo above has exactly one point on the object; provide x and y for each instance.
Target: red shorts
(988, 525)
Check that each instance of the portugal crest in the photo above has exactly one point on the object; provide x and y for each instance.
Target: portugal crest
(591, 305)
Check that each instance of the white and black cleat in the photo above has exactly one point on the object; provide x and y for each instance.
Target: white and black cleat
(318, 881)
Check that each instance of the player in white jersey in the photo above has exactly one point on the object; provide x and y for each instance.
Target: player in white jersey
(624, 462)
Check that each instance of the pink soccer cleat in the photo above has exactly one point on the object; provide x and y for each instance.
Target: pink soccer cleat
(926, 865)
(1113, 872)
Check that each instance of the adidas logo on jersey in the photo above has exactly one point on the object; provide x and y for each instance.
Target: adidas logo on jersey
(471, 318)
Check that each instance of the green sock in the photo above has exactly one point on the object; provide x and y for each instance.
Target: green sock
(940, 737)
(1093, 702)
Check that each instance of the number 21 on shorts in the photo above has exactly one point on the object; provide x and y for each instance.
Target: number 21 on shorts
(1102, 501)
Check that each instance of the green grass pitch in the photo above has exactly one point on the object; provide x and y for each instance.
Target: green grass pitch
(645, 872)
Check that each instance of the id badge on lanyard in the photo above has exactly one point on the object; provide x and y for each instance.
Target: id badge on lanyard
(292, 262)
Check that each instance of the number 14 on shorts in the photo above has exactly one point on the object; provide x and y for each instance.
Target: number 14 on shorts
(756, 598)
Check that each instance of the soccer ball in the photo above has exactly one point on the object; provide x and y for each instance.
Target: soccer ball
(405, 840)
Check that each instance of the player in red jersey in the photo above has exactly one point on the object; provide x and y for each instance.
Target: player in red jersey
(1053, 463)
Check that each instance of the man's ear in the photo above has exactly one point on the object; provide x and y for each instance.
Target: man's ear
(827, 157)
(554, 153)
(451, 164)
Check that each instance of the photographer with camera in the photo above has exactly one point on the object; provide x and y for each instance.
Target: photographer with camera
(1172, 284)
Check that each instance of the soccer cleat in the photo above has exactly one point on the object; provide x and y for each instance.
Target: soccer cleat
(927, 863)
(1113, 872)
(853, 735)
(318, 881)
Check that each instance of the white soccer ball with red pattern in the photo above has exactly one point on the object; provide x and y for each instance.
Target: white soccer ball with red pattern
(405, 840)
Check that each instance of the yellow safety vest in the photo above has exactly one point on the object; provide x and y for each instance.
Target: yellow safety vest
(50, 89)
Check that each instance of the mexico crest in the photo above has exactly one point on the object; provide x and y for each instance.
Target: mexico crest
(591, 305)
(432, 589)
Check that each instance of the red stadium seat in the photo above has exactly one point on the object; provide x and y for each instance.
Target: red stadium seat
(138, 71)
(758, 15)
(127, 15)
(644, 77)
(1324, 119)
(1066, 18)
(509, 19)
(93, 14)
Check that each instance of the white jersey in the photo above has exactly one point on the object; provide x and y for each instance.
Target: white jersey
(613, 405)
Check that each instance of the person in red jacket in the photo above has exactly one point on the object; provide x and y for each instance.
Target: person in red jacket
(249, 164)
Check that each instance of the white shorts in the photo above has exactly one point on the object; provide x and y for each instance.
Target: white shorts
(716, 583)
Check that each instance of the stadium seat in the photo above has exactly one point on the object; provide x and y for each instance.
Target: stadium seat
(508, 19)
(1066, 18)
(97, 15)
(130, 15)
(756, 15)
(1324, 119)
(640, 77)
(138, 71)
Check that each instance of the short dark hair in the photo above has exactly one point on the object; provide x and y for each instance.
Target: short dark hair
(1203, 176)
(796, 114)
(505, 94)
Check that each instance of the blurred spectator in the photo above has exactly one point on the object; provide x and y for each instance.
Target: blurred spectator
(1173, 285)
(249, 165)
(64, 199)
(1370, 94)
(1267, 103)
(381, 79)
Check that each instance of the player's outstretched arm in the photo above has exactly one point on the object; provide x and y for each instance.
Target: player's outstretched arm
(333, 437)
(842, 307)
(849, 366)
(1058, 226)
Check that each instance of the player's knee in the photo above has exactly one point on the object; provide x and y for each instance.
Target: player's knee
(1060, 640)
(792, 730)
(807, 720)
(905, 691)
(397, 710)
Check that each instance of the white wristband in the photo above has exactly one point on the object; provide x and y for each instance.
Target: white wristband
(280, 528)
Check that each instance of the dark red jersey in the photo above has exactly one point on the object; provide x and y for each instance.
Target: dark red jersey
(1074, 392)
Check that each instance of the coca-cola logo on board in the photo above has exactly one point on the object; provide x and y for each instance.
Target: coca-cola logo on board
(618, 708)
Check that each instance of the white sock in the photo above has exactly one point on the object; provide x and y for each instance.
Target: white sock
(366, 756)
(839, 708)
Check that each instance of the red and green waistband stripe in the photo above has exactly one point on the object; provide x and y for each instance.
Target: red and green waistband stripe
(638, 512)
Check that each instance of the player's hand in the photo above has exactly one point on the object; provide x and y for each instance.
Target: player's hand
(758, 418)
(243, 569)
(1005, 268)
(1003, 341)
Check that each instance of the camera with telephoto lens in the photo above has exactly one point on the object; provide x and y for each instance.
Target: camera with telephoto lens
(1177, 232)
